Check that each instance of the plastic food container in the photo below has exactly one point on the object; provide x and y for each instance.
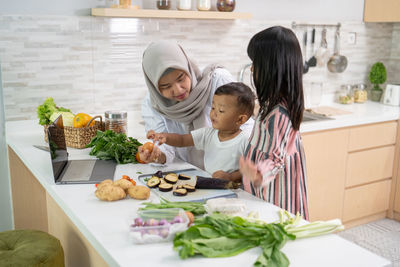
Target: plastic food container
(158, 225)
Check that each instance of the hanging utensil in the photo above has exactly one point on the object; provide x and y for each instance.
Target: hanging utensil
(322, 53)
(337, 63)
(305, 67)
(312, 62)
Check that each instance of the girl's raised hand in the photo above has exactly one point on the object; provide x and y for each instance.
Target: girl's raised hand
(250, 171)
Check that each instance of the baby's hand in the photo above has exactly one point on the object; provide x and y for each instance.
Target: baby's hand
(221, 174)
(161, 138)
(147, 156)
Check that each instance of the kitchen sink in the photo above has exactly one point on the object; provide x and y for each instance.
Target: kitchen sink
(308, 116)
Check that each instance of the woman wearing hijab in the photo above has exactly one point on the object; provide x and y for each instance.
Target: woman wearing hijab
(179, 98)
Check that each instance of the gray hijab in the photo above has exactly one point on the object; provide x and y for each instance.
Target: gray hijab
(163, 55)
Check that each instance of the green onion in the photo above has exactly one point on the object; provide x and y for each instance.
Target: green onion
(197, 208)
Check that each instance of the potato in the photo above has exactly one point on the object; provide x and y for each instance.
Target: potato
(123, 183)
(139, 192)
(110, 192)
(103, 183)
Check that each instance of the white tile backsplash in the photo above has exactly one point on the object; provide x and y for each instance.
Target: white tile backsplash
(92, 64)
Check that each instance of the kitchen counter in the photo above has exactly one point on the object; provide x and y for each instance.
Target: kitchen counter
(104, 225)
(360, 114)
(366, 113)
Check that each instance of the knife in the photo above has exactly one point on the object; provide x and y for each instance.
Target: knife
(45, 148)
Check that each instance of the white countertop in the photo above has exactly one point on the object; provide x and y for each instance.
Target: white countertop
(104, 224)
(365, 113)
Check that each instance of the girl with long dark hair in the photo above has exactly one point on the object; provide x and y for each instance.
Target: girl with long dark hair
(274, 167)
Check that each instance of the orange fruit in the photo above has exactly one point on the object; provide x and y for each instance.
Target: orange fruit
(148, 146)
(138, 158)
(81, 120)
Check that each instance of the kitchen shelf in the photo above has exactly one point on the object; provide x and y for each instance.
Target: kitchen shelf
(155, 13)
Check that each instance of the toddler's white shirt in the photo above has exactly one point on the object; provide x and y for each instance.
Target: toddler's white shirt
(220, 155)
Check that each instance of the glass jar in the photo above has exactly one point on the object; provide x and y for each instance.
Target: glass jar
(112, 3)
(226, 5)
(203, 5)
(125, 3)
(116, 121)
(184, 5)
(346, 95)
(360, 93)
(164, 4)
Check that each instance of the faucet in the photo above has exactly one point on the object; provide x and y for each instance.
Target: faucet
(243, 70)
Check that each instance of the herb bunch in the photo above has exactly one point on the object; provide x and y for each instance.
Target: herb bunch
(117, 146)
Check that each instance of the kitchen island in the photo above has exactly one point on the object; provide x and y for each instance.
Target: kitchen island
(95, 233)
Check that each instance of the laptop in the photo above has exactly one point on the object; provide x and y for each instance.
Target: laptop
(67, 171)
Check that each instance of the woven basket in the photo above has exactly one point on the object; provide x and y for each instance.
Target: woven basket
(77, 137)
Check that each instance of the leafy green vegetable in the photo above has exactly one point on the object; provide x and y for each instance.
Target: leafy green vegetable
(45, 111)
(117, 146)
(197, 208)
(219, 235)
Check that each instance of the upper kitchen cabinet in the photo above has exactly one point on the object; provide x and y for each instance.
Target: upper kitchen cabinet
(382, 11)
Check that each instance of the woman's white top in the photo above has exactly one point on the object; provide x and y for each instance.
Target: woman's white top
(155, 121)
(220, 155)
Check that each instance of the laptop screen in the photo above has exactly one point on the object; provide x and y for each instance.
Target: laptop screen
(57, 146)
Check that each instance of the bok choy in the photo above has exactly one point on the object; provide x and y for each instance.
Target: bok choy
(219, 235)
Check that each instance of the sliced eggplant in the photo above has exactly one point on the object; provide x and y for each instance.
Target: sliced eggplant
(180, 192)
(215, 183)
(165, 187)
(158, 174)
(179, 187)
(184, 177)
(171, 178)
(153, 182)
(189, 188)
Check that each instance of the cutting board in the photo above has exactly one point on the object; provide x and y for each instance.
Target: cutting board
(196, 196)
(328, 111)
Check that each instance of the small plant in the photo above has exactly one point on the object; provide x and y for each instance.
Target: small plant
(377, 75)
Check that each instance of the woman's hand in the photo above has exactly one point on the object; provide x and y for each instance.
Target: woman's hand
(250, 171)
(161, 138)
(151, 156)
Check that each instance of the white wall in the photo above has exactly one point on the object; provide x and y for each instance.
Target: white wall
(6, 221)
(308, 10)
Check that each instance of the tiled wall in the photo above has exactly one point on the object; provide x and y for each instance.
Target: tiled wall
(394, 63)
(92, 64)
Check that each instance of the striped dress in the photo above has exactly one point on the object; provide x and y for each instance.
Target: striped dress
(277, 150)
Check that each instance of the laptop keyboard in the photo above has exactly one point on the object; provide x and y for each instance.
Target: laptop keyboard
(79, 170)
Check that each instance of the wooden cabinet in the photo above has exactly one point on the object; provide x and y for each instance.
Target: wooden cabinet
(396, 205)
(325, 163)
(350, 173)
(373, 135)
(369, 166)
(362, 201)
(382, 11)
